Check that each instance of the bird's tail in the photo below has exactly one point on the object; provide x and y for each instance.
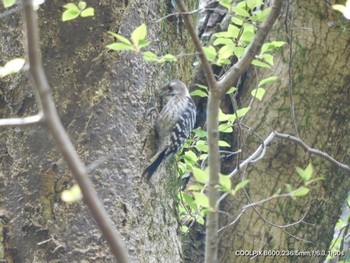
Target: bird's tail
(149, 171)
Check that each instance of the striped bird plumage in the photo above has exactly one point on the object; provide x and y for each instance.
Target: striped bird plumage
(175, 123)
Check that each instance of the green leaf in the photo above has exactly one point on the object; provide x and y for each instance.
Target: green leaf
(200, 220)
(201, 199)
(202, 87)
(225, 182)
(184, 229)
(261, 15)
(70, 14)
(301, 173)
(200, 133)
(278, 192)
(258, 63)
(149, 56)
(190, 156)
(237, 21)
(241, 184)
(258, 93)
(301, 192)
(8, 3)
(88, 12)
(238, 51)
(143, 43)
(82, 5)
(168, 58)
(223, 61)
(119, 46)
(199, 93)
(11, 67)
(248, 33)
(223, 116)
(226, 128)
(224, 34)
(222, 41)
(202, 176)
(308, 171)
(210, 53)
(224, 144)
(253, 3)
(225, 3)
(233, 31)
(225, 52)
(195, 187)
(267, 80)
(231, 90)
(201, 146)
(289, 188)
(241, 112)
(71, 6)
(138, 34)
(189, 201)
(240, 11)
(272, 45)
(120, 38)
(305, 174)
(267, 57)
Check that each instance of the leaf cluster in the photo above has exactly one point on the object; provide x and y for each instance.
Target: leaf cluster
(73, 11)
(136, 42)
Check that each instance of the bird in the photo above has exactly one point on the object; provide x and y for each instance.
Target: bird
(174, 125)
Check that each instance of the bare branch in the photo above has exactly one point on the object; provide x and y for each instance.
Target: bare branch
(233, 221)
(233, 74)
(259, 153)
(53, 123)
(25, 121)
(282, 228)
(211, 242)
(310, 150)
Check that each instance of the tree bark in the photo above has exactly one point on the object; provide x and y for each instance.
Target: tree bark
(320, 93)
(102, 99)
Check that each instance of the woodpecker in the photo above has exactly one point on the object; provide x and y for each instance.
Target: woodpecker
(174, 124)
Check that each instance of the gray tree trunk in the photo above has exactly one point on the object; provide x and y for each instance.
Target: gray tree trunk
(319, 74)
(102, 98)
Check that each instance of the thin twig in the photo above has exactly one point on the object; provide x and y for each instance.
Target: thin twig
(281, 228)
(53, 123)
(25, 121)
(310, 150)
(260, 151)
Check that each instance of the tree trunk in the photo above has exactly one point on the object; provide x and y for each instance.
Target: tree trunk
(321, 96)
(102, 98)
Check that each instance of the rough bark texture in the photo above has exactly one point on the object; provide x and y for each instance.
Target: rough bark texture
(321, 96)
(102, 98)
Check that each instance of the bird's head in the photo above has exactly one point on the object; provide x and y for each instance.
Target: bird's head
(174, 88)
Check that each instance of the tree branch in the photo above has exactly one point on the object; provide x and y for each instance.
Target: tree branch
(216, 90)
(310, 150)
(261, 150)
(234, 73)
(212, 221)
(53, 123)
(25, 121)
